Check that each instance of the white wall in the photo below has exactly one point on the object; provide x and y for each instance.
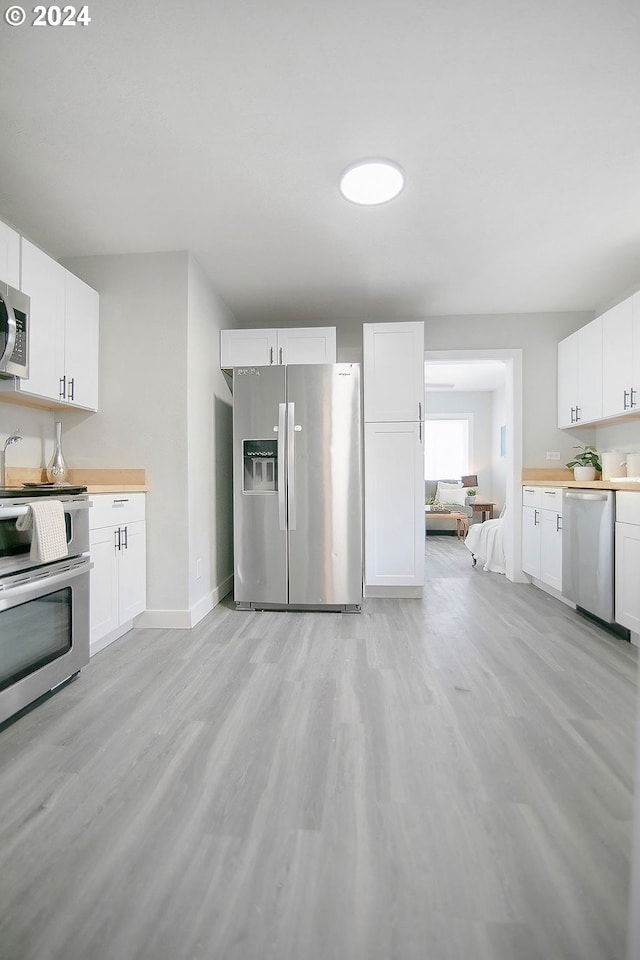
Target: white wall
(498, 463)
(622, 437)
(37, 430)
(159, 375)
(209, 426)
(142, 414)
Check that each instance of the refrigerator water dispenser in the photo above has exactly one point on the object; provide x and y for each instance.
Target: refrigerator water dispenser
(260, 459)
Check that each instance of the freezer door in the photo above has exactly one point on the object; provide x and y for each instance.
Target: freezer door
(325, 484)
(259, 485)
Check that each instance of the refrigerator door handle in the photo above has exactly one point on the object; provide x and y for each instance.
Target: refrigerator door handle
(282, 503)
(291, 475)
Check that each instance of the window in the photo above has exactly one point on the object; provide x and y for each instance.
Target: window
(446, 448)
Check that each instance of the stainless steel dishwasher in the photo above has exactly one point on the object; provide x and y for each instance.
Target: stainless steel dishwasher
(588, 518)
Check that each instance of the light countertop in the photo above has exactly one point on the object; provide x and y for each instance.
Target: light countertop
(534, 477)
(95, 480)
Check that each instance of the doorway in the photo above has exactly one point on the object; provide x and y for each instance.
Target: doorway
(511, 439)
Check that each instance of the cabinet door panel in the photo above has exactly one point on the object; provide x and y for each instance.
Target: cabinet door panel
(567, 380)
(551, 548)
(103, 584)
(627, 575)
(531, 541)
(81, 343)
(307, 345)
(617, 359)
(393, 371)
(247, 348)
(132, 571)
(394, 504)
(44, 281)
(590, 372)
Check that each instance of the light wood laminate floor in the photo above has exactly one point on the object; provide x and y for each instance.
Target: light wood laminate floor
(442, 779)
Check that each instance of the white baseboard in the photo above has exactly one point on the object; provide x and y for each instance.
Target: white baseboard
(394, 592)
(185, 619)
(98, 645)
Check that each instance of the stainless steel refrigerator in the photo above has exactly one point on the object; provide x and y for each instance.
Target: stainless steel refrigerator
(297, 478)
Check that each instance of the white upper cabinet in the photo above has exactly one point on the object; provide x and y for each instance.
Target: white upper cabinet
(63, 336)
(261, 348)
(580, 376)
(9, 256)
(80, 374)
(393, 371)
(621, 358)
(43, 281)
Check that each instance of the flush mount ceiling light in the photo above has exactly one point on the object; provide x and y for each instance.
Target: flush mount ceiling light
(371, 181)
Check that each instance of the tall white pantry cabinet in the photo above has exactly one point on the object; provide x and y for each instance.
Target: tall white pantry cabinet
(393, 378)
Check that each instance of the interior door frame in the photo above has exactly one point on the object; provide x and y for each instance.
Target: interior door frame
(512, 360)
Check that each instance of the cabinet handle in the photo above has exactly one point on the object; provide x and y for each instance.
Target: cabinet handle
(63, 388)
(419, 411)
(117, 539)
(121, 500)
(71, 384)
(270, 354)
(281, 360)
(577, 414)
(535, 518)
(558, 523)
(632, 401)
(573, 419)
(125, 545)
(625, 404)
(420, 423)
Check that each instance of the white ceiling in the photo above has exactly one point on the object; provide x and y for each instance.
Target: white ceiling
(222, 128)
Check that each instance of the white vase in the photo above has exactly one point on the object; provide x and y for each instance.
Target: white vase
(583, 474)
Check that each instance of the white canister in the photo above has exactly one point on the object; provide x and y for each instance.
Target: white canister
(633, 464)
(612, 464)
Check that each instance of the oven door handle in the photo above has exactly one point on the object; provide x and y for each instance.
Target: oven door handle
(69, 506)
(33, 583)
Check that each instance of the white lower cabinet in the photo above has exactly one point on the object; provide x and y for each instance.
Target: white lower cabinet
(627, 560)
(542, 534)
(118, 553)
(394, 505)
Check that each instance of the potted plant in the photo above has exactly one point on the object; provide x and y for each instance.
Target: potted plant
(471, 494)
(585, 463)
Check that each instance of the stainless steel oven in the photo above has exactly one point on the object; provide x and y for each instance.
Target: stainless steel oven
(44, 608)
(15, 545)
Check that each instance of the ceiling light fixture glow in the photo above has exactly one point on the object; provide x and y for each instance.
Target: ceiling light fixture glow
(369, 182)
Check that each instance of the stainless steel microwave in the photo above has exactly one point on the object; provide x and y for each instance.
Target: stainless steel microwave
(14, 332)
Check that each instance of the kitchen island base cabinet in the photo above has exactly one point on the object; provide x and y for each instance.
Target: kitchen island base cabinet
(118, 554)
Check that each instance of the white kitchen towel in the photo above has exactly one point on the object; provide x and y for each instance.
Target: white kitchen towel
(49, 533)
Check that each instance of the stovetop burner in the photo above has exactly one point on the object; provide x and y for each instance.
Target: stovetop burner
(41, 490)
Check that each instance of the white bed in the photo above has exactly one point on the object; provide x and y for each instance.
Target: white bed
(485, 541)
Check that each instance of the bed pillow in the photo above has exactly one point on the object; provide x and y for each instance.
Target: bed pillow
(451, 493)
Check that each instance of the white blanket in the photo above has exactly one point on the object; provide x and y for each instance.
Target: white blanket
(45, 519)
(486, 543)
